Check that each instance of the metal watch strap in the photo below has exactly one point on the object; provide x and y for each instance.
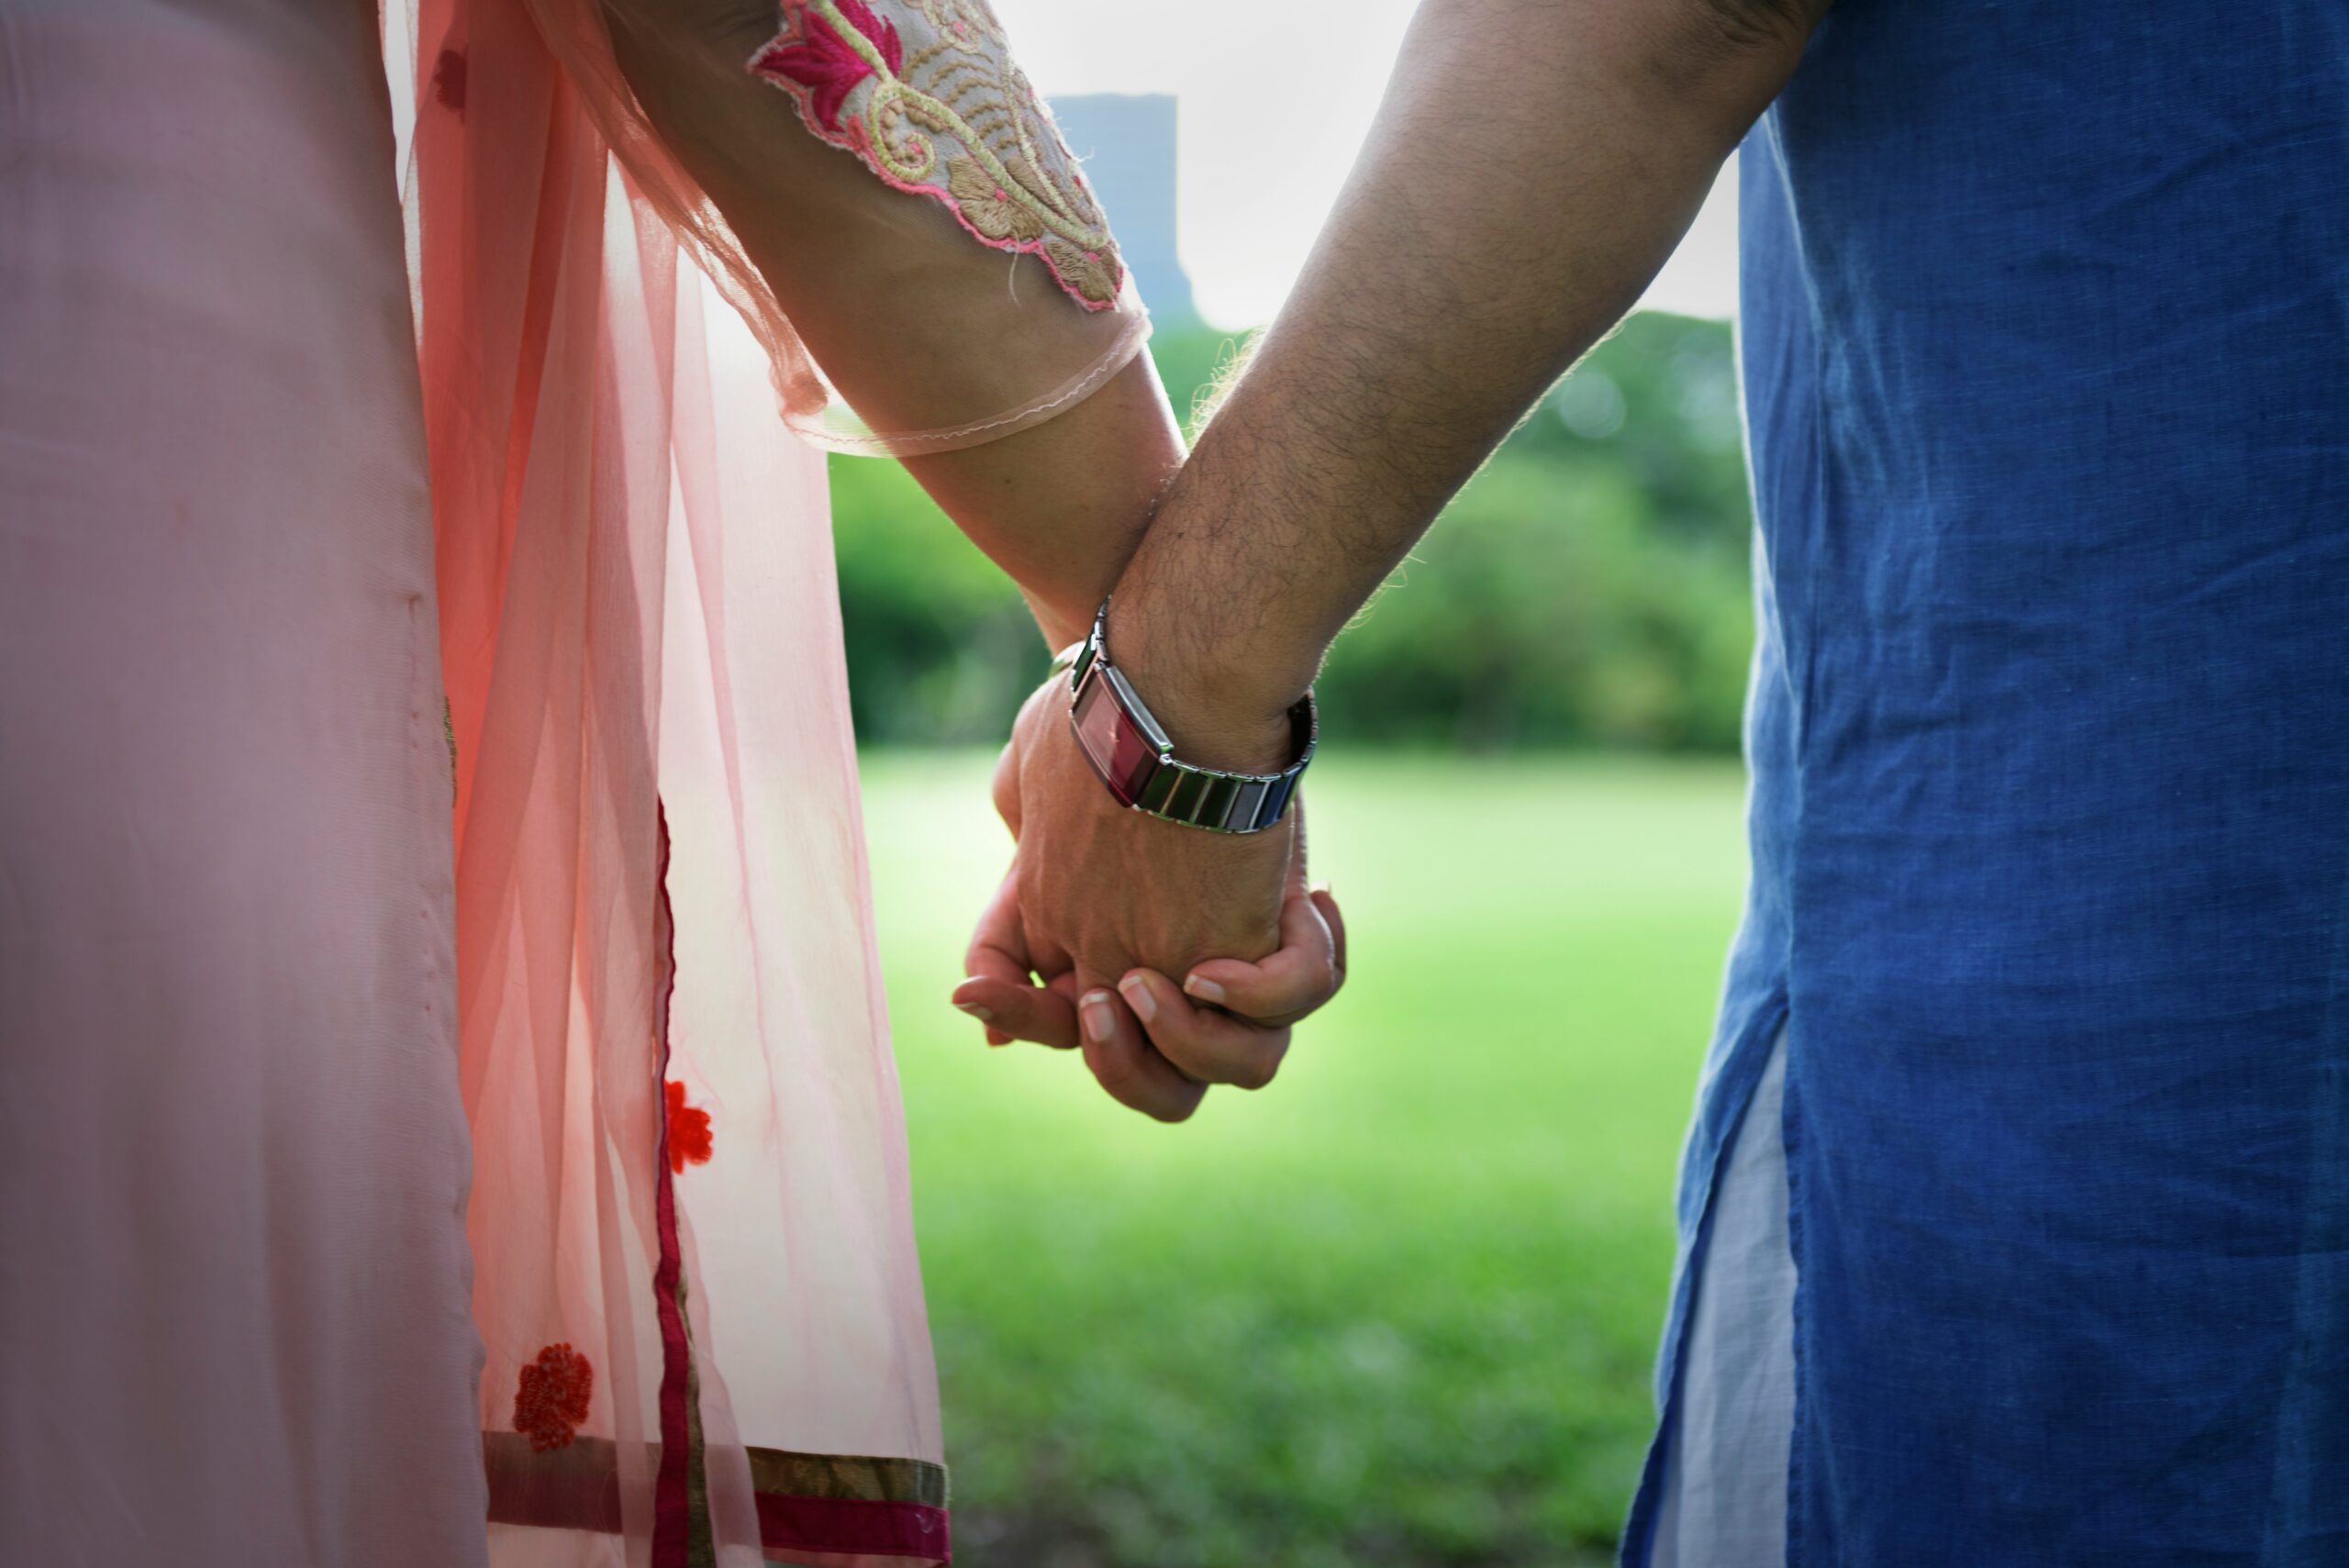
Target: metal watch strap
(1123, 740)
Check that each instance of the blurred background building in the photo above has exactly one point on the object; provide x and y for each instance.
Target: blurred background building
(1127, 142)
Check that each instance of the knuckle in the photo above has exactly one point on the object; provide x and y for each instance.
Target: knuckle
(1298, 997)
(1111, 1073)
(1182, 1055)
(1260, 1067)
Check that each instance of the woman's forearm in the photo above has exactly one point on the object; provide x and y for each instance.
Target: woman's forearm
(917, 323)
(1062, 505)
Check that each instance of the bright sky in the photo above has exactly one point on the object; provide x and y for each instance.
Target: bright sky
(1275, 96)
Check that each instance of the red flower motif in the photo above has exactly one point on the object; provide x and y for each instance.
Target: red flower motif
(689, 1131)
(825, 63)
(551, 1404)
(449, 80)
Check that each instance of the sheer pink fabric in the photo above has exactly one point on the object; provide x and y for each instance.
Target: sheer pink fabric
(703, 1321)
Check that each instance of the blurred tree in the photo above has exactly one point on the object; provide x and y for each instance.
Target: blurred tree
(1587, 588)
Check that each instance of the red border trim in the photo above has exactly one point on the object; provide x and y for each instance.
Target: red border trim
(851, 1525)
(523, 1490)
(672, 1499)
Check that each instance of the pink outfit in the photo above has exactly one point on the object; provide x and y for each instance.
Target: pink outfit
(234, 1324)
(251, 1312)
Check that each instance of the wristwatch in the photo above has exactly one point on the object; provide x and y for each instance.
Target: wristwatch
(1116, 731)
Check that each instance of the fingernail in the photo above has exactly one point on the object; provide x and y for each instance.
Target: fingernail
(1100, 1023)
(1204, 989)
(985, 1015)
(1137, 997)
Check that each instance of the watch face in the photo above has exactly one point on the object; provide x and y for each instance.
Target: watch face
(1111, 740)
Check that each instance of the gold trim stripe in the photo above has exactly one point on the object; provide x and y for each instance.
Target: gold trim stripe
(858, 1477)
(581, 1475)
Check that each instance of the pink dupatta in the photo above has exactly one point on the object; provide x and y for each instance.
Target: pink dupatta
(695, 1275)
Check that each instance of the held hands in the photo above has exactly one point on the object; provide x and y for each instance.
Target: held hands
(1103, 904)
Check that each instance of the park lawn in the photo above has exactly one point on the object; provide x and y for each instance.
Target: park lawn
(1399, 1309)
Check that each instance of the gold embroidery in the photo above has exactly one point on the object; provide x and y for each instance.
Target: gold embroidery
(988, 207)
(951, 105)
(843, 1475)
(572, 1486)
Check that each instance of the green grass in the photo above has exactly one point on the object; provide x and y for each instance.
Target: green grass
(1399, 1307)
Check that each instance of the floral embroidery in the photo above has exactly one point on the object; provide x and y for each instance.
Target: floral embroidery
(950, 118)
(822, 60)
(449, 82)
(551, 1402)
(689, 1139)
(1087, 271)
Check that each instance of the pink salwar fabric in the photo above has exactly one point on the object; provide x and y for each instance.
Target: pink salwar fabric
(250, 1311)
(234, 1317)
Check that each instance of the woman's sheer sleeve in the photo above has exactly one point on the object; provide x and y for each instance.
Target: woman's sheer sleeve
(879, 190)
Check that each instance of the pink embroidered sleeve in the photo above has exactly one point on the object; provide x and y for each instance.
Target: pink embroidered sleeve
(926, 93)
(889, 331)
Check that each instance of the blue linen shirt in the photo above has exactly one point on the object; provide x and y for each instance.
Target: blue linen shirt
(2045, 349)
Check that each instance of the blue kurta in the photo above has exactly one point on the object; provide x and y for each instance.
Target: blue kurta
(2046, 344)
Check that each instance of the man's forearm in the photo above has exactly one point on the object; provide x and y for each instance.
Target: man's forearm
(1532, 167)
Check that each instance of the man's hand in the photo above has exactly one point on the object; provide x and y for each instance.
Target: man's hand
(1438, 304)
(1105, 903)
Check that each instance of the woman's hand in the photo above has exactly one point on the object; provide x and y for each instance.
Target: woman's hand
(1105, 903)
